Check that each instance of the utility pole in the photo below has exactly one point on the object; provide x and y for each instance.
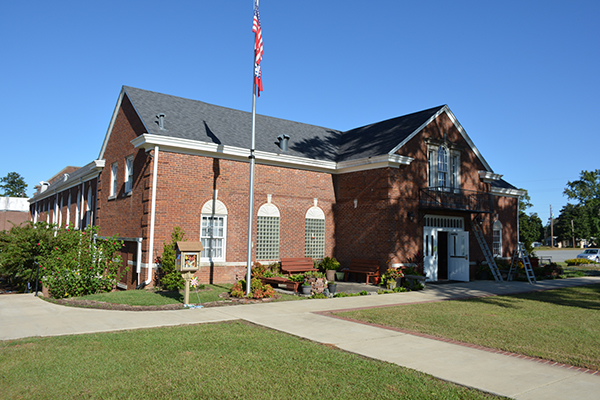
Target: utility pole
(551, 228)
(573, 232)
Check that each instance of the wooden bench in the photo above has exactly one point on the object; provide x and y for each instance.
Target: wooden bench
(277, 280)
(368, 267)
(297, 265)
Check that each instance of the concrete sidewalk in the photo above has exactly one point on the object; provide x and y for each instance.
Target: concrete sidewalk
(25, 316)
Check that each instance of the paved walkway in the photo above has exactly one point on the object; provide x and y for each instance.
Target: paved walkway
(24, 315)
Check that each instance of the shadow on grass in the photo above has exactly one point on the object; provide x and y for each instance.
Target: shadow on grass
(587, 297)
(171, 294)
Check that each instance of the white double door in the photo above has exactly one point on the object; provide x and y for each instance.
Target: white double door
(446, 254)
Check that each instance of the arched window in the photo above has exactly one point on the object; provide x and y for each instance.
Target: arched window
(497, 240)
(213, 231)
(267, 232)
(314, 243)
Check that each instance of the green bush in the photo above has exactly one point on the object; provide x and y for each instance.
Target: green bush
(168, 277)
(21, 248)
(579, 261)
(80, 263)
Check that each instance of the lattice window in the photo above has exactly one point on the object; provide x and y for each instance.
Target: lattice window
(267, 238)
(315, 238)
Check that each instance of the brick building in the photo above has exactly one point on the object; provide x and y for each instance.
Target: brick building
(386, 191)
(13, 211)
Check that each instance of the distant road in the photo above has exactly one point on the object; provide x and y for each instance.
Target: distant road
(559, 255)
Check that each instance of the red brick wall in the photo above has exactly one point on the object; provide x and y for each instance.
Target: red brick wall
(187, 182)
(8, 218)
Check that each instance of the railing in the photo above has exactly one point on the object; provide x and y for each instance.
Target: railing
(443, 198)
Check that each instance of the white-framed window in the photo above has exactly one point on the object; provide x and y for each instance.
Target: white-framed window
(267, 232)
(314, 242)
(213, 231)
(497, 239)
(128, 174)
(113, 180)
(443, 166)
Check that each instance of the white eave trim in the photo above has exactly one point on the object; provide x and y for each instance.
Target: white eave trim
(148, 141)
(488, 176)
(507, 192)
(83, 174)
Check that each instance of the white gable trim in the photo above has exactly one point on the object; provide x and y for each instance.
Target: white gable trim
(458, 126)
(112, 122)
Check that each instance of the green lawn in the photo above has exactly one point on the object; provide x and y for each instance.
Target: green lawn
(233, 360)
(562, 325)
(151, 297)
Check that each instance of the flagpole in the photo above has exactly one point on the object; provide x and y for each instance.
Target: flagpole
(251, 195)
(252, 162)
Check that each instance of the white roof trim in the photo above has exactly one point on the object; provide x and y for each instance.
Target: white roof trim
(488, 176)
(507, 192)
(112, 122)
(83, 174)
(187, 146)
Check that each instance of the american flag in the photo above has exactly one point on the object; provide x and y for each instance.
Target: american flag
(258, 48)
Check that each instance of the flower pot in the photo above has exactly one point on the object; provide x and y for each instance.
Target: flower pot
(332, 288)
(330, 275)
(306, 289)
(391, 284)
(339, 276)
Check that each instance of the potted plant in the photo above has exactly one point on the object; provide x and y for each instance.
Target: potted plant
(391, 276)
(332, 287)
(306, 287)
(330, 265)
(413, 277)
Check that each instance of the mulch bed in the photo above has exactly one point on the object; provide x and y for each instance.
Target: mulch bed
(227, 301)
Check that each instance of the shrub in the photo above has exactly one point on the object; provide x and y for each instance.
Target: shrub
(22, 247)
(168, 277)
(81, 263)
(257, 289)
(579, 261)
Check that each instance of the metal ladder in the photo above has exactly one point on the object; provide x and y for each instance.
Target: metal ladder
(489, 257)
(521, 254)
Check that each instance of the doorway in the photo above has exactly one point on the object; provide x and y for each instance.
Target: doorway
(442, 255)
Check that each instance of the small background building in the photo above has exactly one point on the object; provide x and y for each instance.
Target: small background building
(13, 210)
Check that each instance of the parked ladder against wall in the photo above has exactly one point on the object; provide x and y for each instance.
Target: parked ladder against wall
(489, 257)
(520, 254)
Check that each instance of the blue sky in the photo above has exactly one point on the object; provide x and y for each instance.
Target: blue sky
(522, 77)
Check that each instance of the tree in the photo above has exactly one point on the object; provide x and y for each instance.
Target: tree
(531, 228)
(13, 185)
(586, 190)
(564, 229)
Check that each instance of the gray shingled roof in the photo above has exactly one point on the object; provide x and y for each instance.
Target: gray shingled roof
(196, 120)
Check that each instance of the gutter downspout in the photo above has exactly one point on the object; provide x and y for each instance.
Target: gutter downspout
(152, 217)
(138, 266)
